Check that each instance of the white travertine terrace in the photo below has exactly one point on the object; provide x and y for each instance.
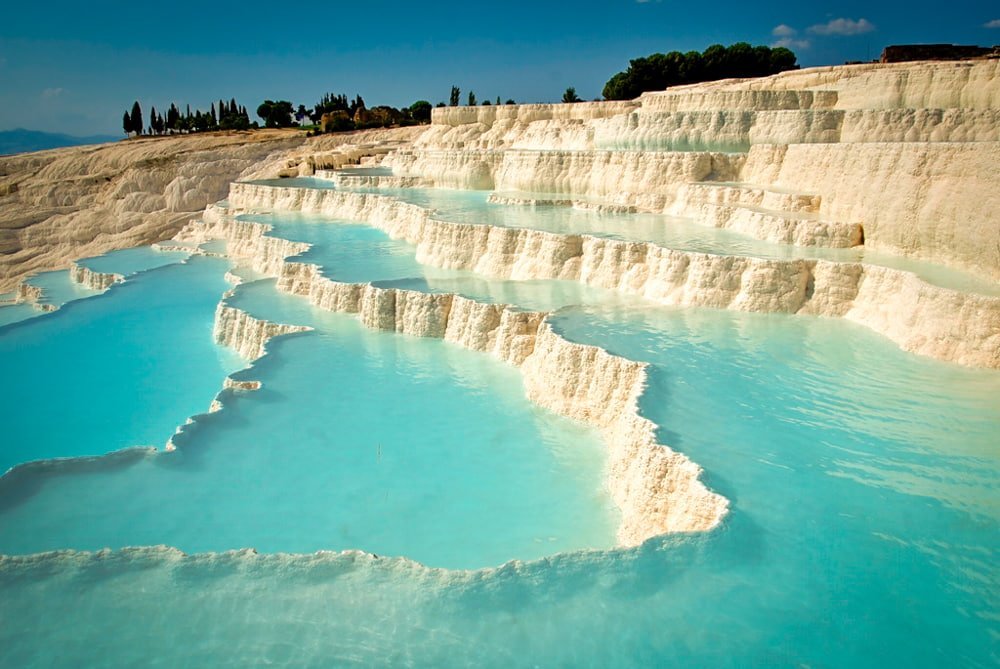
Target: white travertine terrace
(904, 153)
(247, 335)
(94, 280)
(657, 489)
(347, 180)
(27, 293)
(518, 201)
(920, 317)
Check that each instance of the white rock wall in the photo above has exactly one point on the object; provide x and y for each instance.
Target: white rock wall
(958, 327)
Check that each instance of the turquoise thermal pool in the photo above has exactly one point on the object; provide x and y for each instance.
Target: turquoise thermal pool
(863, 527)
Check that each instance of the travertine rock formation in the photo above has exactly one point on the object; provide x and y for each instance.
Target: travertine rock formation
(901, 158)
(60, 205)
(919, 317)
(657, 489)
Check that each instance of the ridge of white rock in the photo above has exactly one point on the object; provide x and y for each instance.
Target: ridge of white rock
(518, 201)
(247, 335)
(27, 293)
(657, 490)
(94, 280)
(347, 180)
(899, 156)
(917, 316)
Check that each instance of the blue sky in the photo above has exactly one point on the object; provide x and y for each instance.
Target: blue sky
(75, 67)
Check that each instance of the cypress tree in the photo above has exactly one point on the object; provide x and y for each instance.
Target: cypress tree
(136, 118)
(127, 124)
(152, 119)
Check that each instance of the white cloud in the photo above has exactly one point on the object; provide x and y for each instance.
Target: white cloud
(843, 27)
(791, 43)
(53, 92)
(995, 23)
(783, 30)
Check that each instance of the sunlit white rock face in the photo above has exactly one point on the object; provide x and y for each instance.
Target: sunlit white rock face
(900, 157)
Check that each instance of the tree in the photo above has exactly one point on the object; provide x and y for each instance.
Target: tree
(420, 111)
(510, 102)
(127, 124)
(455, 93)
(328, 104)
(152, 119)
(136, 118)
(472, 99)
(570, 95)
(275, 114)
(659, 71)
(356, 104)
(173, 117)
(498, 101)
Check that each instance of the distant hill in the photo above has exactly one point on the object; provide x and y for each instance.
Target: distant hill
(20, 140)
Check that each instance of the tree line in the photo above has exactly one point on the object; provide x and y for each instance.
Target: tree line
(662, 70)
(338, 113)
(227, 116)
(456, 95)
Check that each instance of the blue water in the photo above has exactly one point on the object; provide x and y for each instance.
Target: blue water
(120, 369)
(864, 527)
(397, 445)
(130, 261)
(58, 288)
(15, 313)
